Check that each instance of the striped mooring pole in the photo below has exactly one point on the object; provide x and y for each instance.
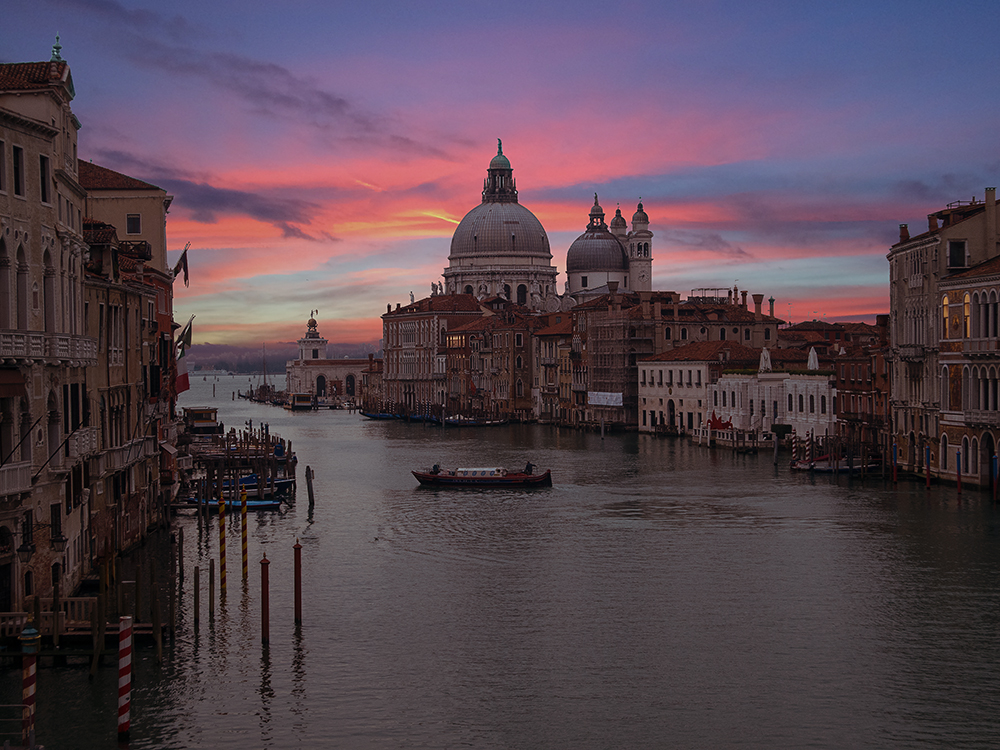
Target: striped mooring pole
(30, 639)
(243, 532)
(124, 677)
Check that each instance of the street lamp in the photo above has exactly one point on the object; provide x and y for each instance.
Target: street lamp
(58, 542)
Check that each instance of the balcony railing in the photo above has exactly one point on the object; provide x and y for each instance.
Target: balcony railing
(83, 442)
(37, 345)
(123, 455)
(15, 477)
(911, 353)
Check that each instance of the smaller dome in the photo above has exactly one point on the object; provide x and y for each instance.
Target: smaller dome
(500, 161)
(640, 215)
(311, 323)
(619, 221)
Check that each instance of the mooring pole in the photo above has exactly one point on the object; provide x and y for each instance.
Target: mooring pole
(124, 677)
(30, 638)
(265, 617)
(298, 582)
(243, 531)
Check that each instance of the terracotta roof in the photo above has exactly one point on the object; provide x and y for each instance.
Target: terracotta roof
(986, 268)
(99, 233)
(94, 177)
(31, 76)
(477, 324)
(440, 303)
(556, 329)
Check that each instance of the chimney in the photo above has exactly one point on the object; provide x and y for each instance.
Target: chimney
(657, 309)
(743, 297)
(388, 308)
(758, 300)
(397, 305)
(932, 222)
(904, 232)
(771, 301)
(644, 299)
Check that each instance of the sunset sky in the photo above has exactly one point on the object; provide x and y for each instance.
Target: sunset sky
(321, 154)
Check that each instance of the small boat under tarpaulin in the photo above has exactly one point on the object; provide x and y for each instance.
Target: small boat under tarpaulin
(483, 477)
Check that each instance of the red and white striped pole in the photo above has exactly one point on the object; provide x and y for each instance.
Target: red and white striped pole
(124, 677)
(243, 531)
(30, 639)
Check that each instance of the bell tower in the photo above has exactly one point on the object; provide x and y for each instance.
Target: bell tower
(640, 254)
(312, 345)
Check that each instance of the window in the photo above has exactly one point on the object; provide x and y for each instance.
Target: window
(967, 316)
(746, 334)
(583, 281)
(812, 404)
(684, 334)
(722, 334)
(45, 178)
(957, 254)
(801, 403)
(643, 382)
(133, 224)
(315, 354)
(767, 334)
(944, 317)
(17, 162)
(723, 398)
(822, 404)
(3, 167)
(789, 403)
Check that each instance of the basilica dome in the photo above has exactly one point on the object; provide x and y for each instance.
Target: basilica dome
(500, 229)
(596, 249)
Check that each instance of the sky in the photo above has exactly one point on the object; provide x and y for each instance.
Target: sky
(321, 154)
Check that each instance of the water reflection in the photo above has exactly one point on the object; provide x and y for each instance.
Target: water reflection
(657, 595)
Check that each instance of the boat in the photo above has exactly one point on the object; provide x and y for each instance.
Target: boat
(299, 402)
(236, 505)
(459, 421)
(483, 477)
(248, 483)
(378, 415)
(828, 465)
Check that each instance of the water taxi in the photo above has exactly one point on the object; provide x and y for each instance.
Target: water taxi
(483, 477)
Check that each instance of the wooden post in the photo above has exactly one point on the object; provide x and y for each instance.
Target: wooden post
(309, 487)
(211, 589)
(243, 533)
(55, 611)
(222, 547)
(265, 617)
(927, 464)
(298, 582)
(197, 596)
(138, 591)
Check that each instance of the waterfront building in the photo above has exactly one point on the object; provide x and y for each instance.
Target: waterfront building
(415, 354)
(46, 427)
(969, 360)
(553, 343)
(674, 384)
(924, 321)
(861, 374)
(784, 390)
(329, 381)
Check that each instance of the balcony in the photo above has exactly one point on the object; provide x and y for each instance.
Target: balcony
(83, 442)
(124, 455)
(979, 348)
(15, 477)
(36, 346)
(912, 353)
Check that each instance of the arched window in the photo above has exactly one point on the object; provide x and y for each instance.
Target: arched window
(944, 453)
(746, 334)
(733, 395)
(468, 288)
(519, 388)
(22, 290)
(715, 398)
(517, 362)
(722, 334)
(666, 334)
(723, 398)
(944, 317)
(522, 294)
(801, 403)
(812, 404)
(967, 317)
(822, 404)
(767, 334)
(506, 291)
(684, 334)
(965, 455)
(945, 396)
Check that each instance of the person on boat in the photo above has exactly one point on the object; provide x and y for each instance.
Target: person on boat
(529, 467)
(435, 469)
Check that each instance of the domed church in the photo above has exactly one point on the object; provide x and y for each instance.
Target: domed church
(500, 248)
(602, 254)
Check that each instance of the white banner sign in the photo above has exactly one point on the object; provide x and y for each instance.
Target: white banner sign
(600, 398)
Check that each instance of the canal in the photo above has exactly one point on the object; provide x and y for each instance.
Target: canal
(658, 595)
